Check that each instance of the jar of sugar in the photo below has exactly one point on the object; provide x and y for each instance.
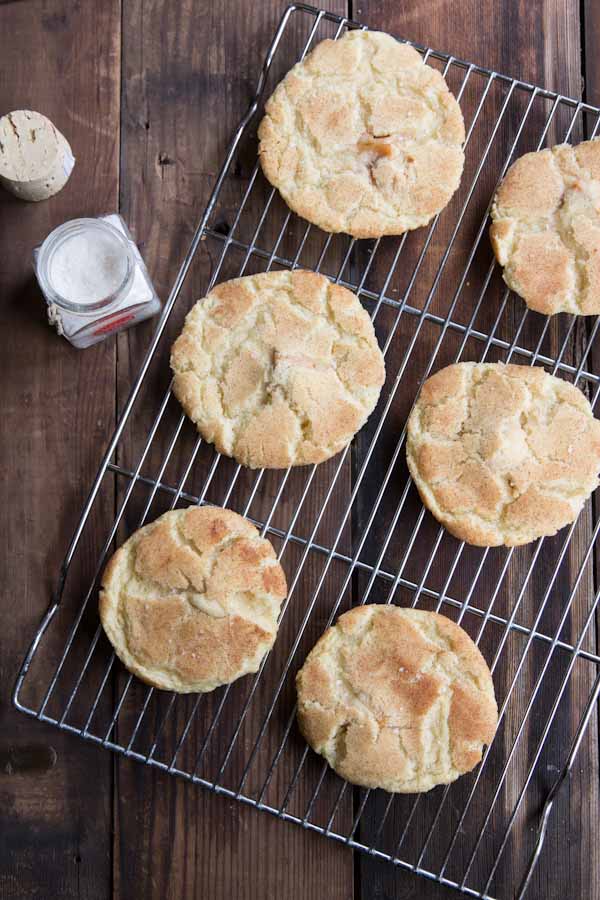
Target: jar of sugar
(94, 279)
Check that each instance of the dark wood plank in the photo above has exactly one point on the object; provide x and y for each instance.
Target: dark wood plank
(189, 72)
(57, 411)
(591, 71)
(506, 37)
(591, 35)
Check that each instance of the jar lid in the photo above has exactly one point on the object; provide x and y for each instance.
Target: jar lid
(85, 265)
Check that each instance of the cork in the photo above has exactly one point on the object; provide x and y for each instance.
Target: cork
(35, 158)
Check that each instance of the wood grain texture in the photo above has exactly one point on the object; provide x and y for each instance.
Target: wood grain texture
(501, 36)
(55, 820)
(590, 12)
(190, 70)
(591, 80)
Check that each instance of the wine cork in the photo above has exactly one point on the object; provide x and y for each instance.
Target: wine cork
(35, 158)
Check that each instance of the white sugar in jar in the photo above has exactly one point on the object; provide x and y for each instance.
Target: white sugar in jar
(94, 279)
(89, 263)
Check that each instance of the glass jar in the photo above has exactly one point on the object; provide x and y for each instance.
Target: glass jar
(94, 279)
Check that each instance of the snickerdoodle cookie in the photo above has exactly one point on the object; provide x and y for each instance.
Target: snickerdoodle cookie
(278, 369)
(363, 137)
(191, 601)
(546, 229)
(399, 699)
(502, 454)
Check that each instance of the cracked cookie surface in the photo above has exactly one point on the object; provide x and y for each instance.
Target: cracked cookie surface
(502, 454)
(363, 137)
(399, 699)
(191, 601)
(278, 369)
(546, 229)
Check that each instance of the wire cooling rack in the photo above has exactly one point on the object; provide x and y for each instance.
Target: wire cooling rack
(353, 530)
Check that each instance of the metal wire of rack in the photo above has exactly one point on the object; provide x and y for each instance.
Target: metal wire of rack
(339, 546)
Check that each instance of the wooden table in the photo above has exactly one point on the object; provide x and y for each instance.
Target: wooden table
(148, 93)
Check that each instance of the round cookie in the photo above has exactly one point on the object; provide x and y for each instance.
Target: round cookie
(362, 137)
(399, 699)
(279, 369)
(502, 454)
(546, 229)
(191, 601)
